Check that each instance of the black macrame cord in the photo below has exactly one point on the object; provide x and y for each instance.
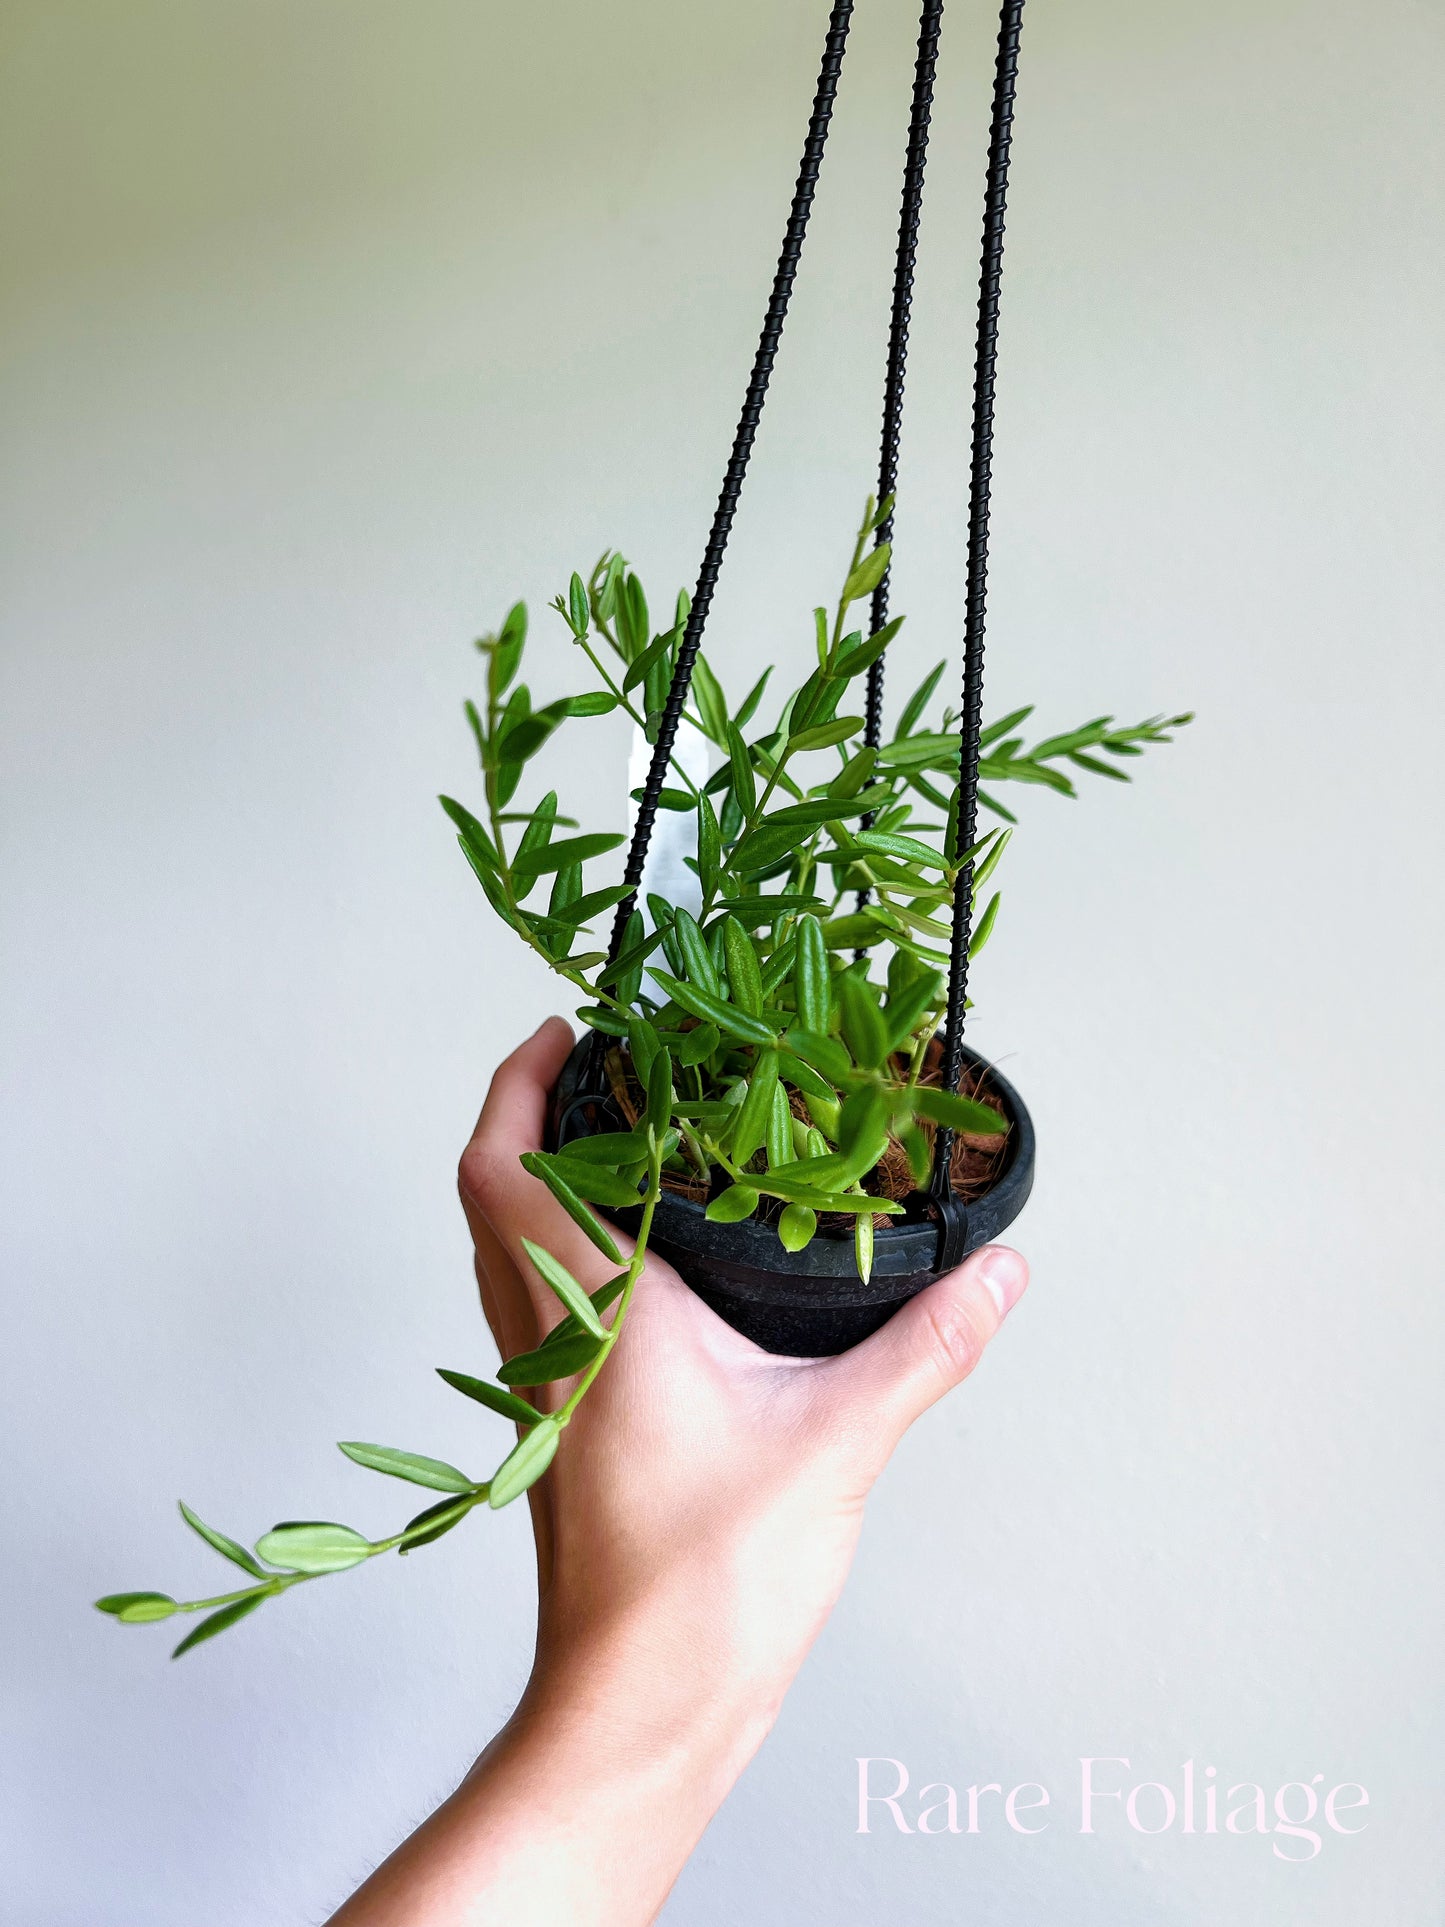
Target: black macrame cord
(908, 219)
(951, 1214)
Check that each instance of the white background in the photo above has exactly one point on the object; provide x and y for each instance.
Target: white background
(329, 329)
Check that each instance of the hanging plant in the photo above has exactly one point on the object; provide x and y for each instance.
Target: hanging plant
(773, 1092)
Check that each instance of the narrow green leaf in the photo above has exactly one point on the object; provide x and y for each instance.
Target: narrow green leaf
(864, 1030)
(572, 849)
(863, 1245)
(506, 1404)
(825, 735)
(712, 706)
(995, 732)
(218, 1622)
(739, 1201)
(868, 574)
(919, 700)
(594, 1182)
(137, 1608)
(752, 699)
(536, 1165)
(556, 1357)
(411, 1466)
(555, 1274)
(983, 929)
(728, 1018)
(432, 1523)
(750, 1129)
(218, 1541)
(745, 977)
(744, 785)
(812, 980)
(780, 1128)
(959, 1113)
(592, 702)
(525, 1463)
(313, 1545)
(659, 1093)
(506, 653)
(824, 1053)
(579, 615)
(709, 847)
(696, 957)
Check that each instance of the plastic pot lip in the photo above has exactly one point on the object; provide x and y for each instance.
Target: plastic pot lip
(752, 1257)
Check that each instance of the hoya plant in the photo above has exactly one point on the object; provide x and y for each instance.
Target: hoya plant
(768, 1050)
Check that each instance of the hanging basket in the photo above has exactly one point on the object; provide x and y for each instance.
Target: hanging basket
(814, 1301)
(807, 1303)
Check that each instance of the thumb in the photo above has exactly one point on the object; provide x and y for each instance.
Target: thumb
(931, 1345)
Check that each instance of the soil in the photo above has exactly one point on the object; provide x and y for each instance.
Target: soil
(976, 1163)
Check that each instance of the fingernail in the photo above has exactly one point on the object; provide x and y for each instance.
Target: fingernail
(1004, 1275)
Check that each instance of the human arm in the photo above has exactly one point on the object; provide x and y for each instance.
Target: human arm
(692, 1534)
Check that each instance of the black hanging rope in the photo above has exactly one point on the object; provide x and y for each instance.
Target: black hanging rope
(990, 274)
(915, 159)
(738, 462)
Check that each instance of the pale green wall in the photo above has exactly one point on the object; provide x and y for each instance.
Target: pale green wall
(329, 328)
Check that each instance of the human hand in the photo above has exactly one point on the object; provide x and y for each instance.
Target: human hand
(692, 1533)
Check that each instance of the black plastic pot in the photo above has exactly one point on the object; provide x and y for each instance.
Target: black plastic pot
(807, 1303)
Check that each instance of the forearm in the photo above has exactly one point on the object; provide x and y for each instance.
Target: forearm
(583, 1809)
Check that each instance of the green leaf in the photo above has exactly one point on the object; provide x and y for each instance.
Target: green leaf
(137, 1608)
(667, 799)
(958, 1113)
(750, 1129)
(698, 1045)
(696, 957)
(218, 1622)
(983, 929)
(745, 977)
(739, 1201)
(780, 1128)
(919, 700)
(652, 655)
(594, 1182)
(907, 848)
(659, 1093)
(313, 1545)
(864, 1030)
(615, 1149)
(765, 846)
(576, 1300)
(506, 1404)
(506, 653)
(411, 1466)
(752, 699)
(995, 732)
(797, 1226)
(918, 999)
(825, 735)
(812, 980)
(525, 1463)
(582, 909)
(854, 661)
(572, 849)
(744, 786)
(824, 1053)
(709, 847)
(556, 1357)
(803, 1077)
(579, 615)
(830, 808)
(863, 1245)
(868, 574)
(536, 1165)
(712, 706)
(728, 1018)
(436, 1520)
(218, 1542)
(918, 1152)
(592, 702)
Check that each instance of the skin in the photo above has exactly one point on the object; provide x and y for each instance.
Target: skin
(692, 1536)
